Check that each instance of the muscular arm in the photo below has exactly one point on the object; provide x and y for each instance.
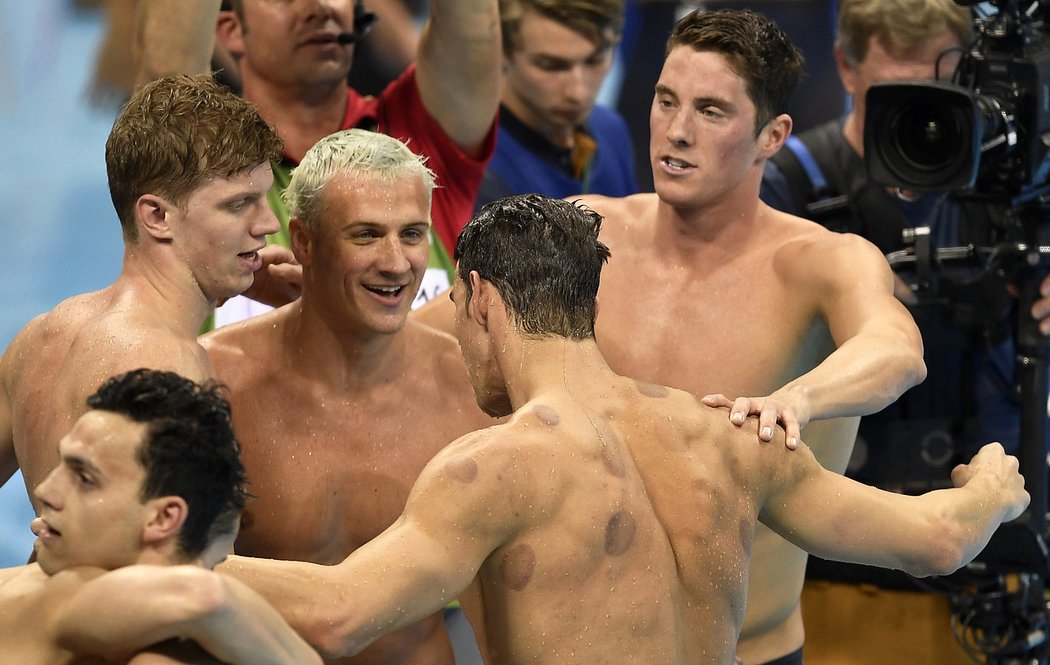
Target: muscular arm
(174, 37)
(458, 68)
(878, 351)
(837, 518)
(411, 570)
(227, 619)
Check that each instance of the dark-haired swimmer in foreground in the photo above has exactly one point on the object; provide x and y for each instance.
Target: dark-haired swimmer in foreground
(606, 517)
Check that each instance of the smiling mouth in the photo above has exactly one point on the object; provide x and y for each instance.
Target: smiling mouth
(386, 291)
(675, 164)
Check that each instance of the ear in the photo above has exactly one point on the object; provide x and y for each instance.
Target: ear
(167, 514)
(774, 134)
(847, 73)
(480, 296)
(302, 241)
(153, 214)
(229, 33)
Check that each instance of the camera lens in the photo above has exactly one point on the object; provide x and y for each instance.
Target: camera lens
(922, 135)
(927, 138)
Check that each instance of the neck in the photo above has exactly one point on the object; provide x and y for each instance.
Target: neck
(533, 367)
(730, 220)
(164, 293)
(853, 132)
(302, 115)
(341, 356)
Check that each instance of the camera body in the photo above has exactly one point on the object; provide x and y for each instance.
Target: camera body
(986, 132)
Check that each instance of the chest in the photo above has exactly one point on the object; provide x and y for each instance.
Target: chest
(331, 472)
(733, 330)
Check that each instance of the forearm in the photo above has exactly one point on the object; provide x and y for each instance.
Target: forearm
(159, 603)
(238, 626)
(932, 534)
(862, 376)
(398, 578)
(458, 70)
(334, 610)
(174, 37)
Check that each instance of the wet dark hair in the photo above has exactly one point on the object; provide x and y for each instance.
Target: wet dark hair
(543, 256)
(189, 450)
(758, 51)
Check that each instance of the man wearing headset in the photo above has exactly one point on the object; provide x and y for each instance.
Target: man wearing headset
(294, 58)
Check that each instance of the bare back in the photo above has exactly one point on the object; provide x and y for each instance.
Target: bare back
(739, 320)
(63, 356)
(331, 463)
(633, 509)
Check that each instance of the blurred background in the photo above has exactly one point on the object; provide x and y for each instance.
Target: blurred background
(61, 236)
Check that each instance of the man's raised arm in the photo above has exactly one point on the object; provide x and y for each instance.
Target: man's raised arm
(458, 69)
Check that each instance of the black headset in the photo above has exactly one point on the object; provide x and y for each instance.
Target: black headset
(364, 21)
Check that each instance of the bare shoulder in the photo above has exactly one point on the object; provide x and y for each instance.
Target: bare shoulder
(620, 213)
(17, 575)
(438, 364)
(698, 427)
(240, 352)
(806, 251)
(85, 340)
(49, 592)
(436, 343)
(110, 346)
(501, 475)
(57, 327)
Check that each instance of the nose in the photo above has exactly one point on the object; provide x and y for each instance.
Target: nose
(576, 85)
(266, 222)
(679, 127)
(46, 492)
(318, 10)
(392, 257)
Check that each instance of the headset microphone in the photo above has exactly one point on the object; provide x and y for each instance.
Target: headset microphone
(364, 21)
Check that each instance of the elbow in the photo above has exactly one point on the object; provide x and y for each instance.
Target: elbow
(916, 368)
(941, 556)
(193, 596)
(334, 638)
(909, 370)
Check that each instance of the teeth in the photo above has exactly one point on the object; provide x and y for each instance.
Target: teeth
(675, 164)
(391, 290)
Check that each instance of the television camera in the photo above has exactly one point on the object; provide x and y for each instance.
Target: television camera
(984, 135)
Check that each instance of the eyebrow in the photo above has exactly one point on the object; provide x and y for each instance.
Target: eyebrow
(662, 89)
(79, 463)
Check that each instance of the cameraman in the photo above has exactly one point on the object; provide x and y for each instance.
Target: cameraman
(969, 395)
